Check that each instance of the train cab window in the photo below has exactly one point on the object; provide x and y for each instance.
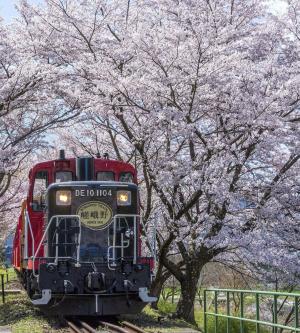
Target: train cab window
(39, 190)
(63, 176)
(105, 176)
(126, 177)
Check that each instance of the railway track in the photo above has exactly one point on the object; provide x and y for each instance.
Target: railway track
(80, 326)
(124, 327)
(132, 328)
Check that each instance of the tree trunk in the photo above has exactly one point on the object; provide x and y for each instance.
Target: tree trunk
(156, 289)
(157, 284)
(185, 306)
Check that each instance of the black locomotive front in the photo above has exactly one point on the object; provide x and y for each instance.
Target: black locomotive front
(93, 265)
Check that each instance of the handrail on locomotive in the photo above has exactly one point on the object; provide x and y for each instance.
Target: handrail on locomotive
(58, 219)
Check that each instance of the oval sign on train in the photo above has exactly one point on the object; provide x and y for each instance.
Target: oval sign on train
(95, 215)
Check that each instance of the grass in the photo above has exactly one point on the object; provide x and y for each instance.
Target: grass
(156, 321)
(234, 325)
(18, 313)
(12, 276)
(167, 308)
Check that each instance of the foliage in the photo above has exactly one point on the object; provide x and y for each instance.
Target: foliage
(166, 306)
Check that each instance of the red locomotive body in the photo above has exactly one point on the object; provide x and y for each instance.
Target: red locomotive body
(78, 238)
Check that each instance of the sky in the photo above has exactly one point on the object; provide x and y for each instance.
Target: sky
(8, 12)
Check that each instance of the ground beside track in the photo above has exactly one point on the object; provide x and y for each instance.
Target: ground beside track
(155, 322)
(18, 315)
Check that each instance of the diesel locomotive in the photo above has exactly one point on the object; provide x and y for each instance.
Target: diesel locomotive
(77, 246)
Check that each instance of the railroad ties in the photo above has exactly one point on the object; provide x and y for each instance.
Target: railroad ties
(80, 326)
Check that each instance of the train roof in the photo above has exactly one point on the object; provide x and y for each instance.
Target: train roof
(92, 182)
(99, 163)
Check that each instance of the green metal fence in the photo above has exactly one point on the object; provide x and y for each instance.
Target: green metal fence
(257, 295)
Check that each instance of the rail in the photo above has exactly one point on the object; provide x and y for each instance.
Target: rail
(132, 328)
(123, 327)
(80, 326)
(57, 219)
(111, 261)
(241, 317)
(114, 328)
(112, 248)
(28, 224)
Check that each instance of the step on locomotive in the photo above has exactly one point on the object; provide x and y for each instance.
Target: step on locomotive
(77, 245)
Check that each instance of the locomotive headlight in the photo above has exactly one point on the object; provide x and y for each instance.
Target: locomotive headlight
(63, 198)
(124, 198)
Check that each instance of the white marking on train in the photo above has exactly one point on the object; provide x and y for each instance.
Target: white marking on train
(93, 193)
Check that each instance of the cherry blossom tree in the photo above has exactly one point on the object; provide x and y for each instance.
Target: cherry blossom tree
(30, 104)
(206, 94)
